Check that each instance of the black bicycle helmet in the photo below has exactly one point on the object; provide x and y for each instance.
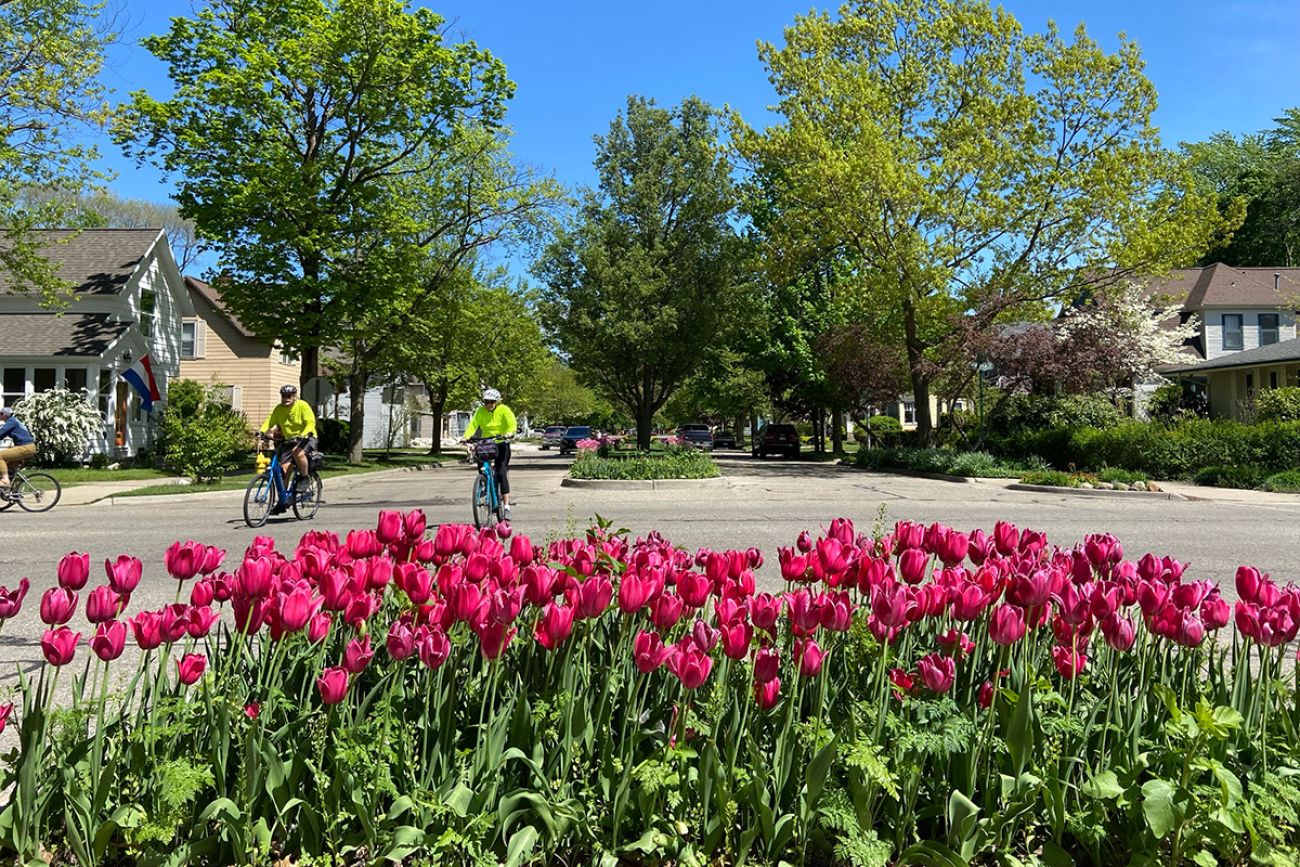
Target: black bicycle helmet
(286, 390)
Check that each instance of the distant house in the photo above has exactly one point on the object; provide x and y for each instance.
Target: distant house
(216, 348)
(128, 299)
(1247, 339)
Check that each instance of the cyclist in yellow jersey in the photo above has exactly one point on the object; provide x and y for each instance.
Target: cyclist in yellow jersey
(296, 424)
(494, 419)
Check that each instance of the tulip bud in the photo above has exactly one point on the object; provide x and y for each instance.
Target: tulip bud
(74, 571)
(332, 685)
(937, 672)
(59, 645)
(809, 655)
(767, 692)
(58, 604)
(109, 640)
(190, 668)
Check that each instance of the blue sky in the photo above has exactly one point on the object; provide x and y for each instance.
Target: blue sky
(1230, 65)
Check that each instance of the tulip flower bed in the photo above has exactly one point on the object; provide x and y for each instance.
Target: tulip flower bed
(914, 696)
(673, 463)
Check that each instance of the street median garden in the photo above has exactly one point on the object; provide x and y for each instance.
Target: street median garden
(911, 695)
(597, 461)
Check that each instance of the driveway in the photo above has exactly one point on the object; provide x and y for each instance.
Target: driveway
(766, 504)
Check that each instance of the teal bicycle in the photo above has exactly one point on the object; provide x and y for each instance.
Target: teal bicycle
(489, 510)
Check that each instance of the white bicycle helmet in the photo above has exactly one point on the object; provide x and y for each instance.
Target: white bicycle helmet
(491, 394)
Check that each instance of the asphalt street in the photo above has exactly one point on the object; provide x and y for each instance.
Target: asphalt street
(765, 503)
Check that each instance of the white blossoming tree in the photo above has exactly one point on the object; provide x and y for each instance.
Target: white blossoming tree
(62, 421)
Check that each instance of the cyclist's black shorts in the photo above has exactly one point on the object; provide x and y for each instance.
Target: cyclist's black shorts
(289, 445)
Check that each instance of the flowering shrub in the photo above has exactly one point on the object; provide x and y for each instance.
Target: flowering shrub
(62, 422)
(918, 695)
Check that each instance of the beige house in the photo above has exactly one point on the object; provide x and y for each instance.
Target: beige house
(1247, 340)
(217, 349)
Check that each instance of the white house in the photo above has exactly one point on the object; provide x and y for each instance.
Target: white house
(127, 298)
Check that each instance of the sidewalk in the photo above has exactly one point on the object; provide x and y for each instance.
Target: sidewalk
(84, 494)
(1229, 495)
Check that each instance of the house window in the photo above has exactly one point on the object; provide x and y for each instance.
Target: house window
(1267, 328)
(74, 379)
(105, 390)
(148, 308)
(189, 327)
(15, 385)
(909, 412)
(43, 379)
(1232, 331)
(287, 357)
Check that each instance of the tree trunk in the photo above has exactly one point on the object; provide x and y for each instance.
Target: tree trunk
(437, 405)
(310, 367)
(645, 415)
(357, 412)
(920, 380)
(837, 431)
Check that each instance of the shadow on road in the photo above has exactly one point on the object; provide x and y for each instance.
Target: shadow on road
(742, 464)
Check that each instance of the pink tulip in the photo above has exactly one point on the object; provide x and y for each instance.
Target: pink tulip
(434, 649)
(593, 597)
(767, 664)
(911, 565)
(493, 638)
(1006, 538)
(212, 559)
(634, 592)
(902, 681)
(504, 605)
(804, 542)
(59, 645)
(937, 672)
(203, 593)
(357, 654)
(414, 525)
(74, 571)
(736, 638)
(985, 696)
(11, 601)
(956, 643)
(704, 636)
(109, 640)
(318, 627)
(123, 573)
(1191, 632)
(190, 668)
(555, 626)
(1007, 625)
(765, 609)
(295, 609)
(6, 711)
(390, 528)
(1119, 632)
(665, 610)
(980, 546)
(200, 621)
(766, 693)
(58, 604)
(254, 577)
(649, 652)
(836, 612)
(952, 548)
(252, 710)
(1249, 580)
(401, 641)
(147, 627)
(184, 559)
(690, 665)
(1215, 612)
(333, 685)
(693, 588)
(1069, 662)
(174, 621)
(969, 602)
(809, 656)
(363, 543)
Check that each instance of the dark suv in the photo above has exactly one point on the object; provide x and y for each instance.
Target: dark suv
(697, 435)
(777, 439)
(569, 442)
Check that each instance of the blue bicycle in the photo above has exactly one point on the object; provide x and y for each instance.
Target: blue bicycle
(488, 507)
(269, 490)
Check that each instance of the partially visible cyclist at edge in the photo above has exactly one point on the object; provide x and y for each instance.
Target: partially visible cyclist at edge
(296, 423)
(494, 419)
(24, 444)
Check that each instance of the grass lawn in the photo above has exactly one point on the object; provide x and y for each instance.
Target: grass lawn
(85, 475)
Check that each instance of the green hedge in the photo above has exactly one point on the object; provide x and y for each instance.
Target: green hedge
(674, 464)
(946, 461)
(1287, 482)
(1175, 452)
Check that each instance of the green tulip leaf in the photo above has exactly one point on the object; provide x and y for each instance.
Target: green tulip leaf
(1104, 786)
(521, 846)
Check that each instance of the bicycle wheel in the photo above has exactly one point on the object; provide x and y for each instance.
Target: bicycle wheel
(482, 511)
(6, 501)
(37, 492)
(305, 505)
(259, 499)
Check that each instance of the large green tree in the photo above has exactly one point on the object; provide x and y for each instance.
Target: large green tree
(343, 160)
(640, 285)
(966, 167)
(479, 333)
(51, 52)
(1258, 173)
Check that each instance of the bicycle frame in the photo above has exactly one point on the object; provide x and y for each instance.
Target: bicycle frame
(275, 471)
(494, 499)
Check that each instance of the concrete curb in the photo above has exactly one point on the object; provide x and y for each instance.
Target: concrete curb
(643, 484)
(1095, 492)
(890, 471)
(119, 500)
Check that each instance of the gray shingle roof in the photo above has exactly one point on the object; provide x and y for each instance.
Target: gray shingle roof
(212, 295)
(1274, 353)
(49, 334)
(1220, 285)
(94, 261)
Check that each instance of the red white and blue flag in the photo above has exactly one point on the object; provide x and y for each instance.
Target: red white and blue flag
(140, 375)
